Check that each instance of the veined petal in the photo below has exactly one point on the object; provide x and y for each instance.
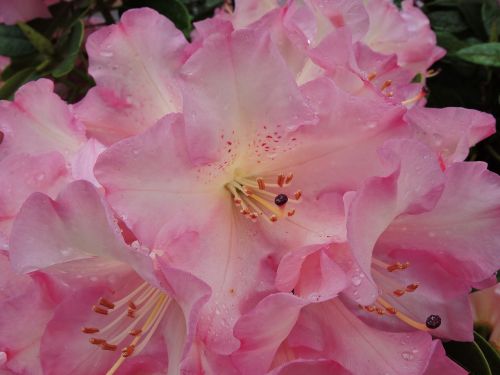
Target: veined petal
(223, 98)
(310, 366)
(440, 364)
(23, 174)
(134, 64)
(38, 121)
(462, 231)
(24, 10)
(75, 226)
(450, 131)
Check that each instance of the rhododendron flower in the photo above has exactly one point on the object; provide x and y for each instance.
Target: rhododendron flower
(179, 185)
(120, 301)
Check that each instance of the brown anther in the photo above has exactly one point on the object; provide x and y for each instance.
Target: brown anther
(411, 287)
(237, 201)
(398, 266)
(128, 351)
(391, 310)
(135, 332)
(96, 341)
(90, 330)
(291, 212)
(245, 211)
(131, 313)
(106, 346)
(297, 194)
(132, 305)
(380, 311)
(289, 178)
(370, 308)
(386, 84)
(399, 292)
(247, 191)
(104, 302)
(273, 218)
(281, 179)
(100, 310)
(372, 76)
(261, 183)
(253, 215)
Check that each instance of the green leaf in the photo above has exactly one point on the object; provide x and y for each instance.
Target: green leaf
(40, 42)
(483, 54)
(447, 20)
(468, 355)
(10, 86)
(490, 13)
(174, 10)
(71, 50)
(13, 43)
(491, 354)
(449, 41)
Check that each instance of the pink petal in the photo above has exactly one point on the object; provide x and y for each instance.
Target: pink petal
(22, 10)
(75, 226)
(440, 364)
(311, 273)
(134, 64)
(26, 307)
(310, 366)
(333, 332)
(450, 131)
(462, 231)
(414, 185)
(38, 121)
(21, 175)
(261, 333)
(223, 98)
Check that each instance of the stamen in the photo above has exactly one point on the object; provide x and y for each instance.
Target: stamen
(281, 199)
(147, 309)
(398, 266)
(90, 330)
(297, 194)
(399, 292)
(386, 84)
(372, 76)
(96, 341)
(281, 180)
(412, 287)
(433, 321)
(432, 73)
(416, 98)
(255, 196)
(107, 346)
(104, 302)
(100, 310)
(403, 317)
(261, 183)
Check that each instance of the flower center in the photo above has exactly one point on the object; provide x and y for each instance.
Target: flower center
(134, 320)
(264, 196)
(382, 305)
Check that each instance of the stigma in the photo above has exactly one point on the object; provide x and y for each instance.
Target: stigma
(264, 197)
(131, 322)
(395, 291)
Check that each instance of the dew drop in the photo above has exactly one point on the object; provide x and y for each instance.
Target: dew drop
(407, 356)
(105, 53)
(356, 280)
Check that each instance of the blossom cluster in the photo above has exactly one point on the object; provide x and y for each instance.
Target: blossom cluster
(271, 197)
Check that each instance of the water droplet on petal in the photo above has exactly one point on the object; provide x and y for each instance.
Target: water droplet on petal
(356, 280)
(407, 356)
